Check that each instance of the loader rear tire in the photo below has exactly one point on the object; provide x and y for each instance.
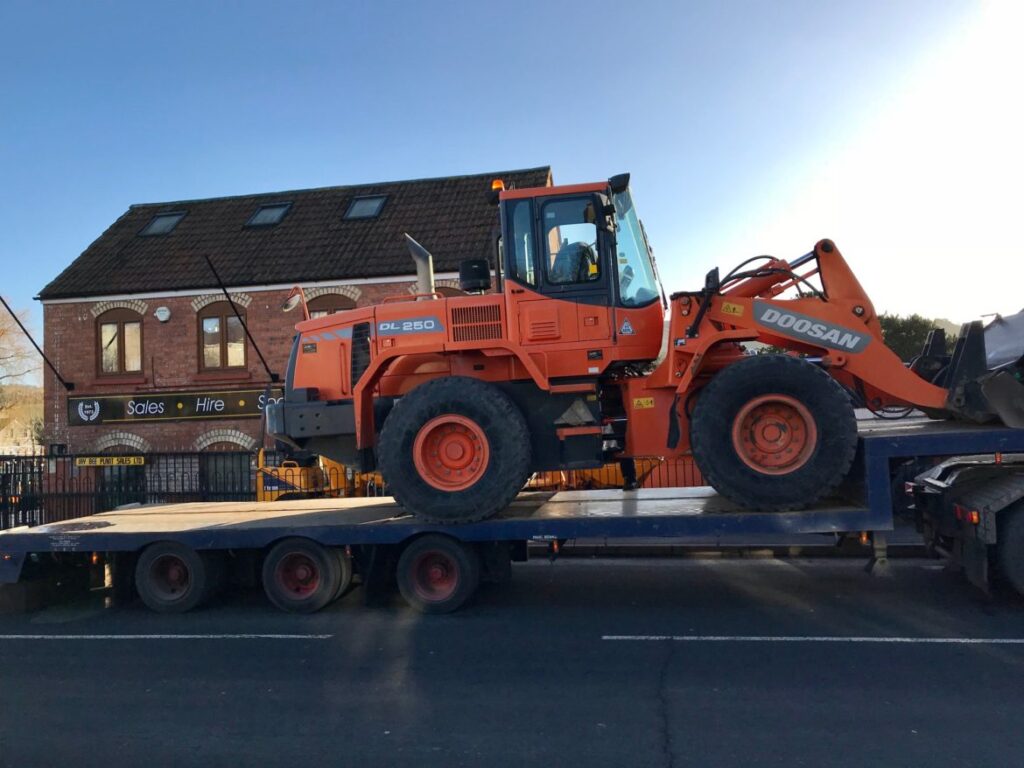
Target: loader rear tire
(455, 450)
(773, 432)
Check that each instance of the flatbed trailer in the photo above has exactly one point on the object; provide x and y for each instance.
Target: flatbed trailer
(306, 552)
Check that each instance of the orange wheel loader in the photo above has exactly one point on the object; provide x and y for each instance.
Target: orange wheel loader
(565, 354)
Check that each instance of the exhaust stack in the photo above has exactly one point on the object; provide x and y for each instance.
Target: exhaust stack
(424, 266)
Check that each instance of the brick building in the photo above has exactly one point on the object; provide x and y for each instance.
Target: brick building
(157, 356)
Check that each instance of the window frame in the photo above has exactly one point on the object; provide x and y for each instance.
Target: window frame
(375, 215)
(601, 284)
(180, 214)
(252, 224)
(508, 236)
(119, 316)
(223, 311)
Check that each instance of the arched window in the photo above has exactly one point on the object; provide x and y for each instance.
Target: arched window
(448, 290)
(221, 337)
(328, 304)
(119, 342)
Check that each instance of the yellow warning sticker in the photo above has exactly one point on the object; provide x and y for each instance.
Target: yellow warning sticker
(643, 402)
(729, 308)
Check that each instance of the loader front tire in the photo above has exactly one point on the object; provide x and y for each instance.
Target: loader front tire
(454, 450)
(773, 432)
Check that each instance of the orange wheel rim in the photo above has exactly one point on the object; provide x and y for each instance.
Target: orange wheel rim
(451, 452)
(774, 434)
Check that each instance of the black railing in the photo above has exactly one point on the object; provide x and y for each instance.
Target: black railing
(49, 488)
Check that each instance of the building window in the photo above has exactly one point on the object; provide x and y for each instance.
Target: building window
(221, 337)
(328, 304)
(268, 215)
(162, 223)
(365, 207)
(119, 337)
(449, 291)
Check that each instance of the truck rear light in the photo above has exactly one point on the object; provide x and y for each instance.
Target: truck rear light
(999, 458)
(972, 516)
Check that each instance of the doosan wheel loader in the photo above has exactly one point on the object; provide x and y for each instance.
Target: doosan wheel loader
(562, 361)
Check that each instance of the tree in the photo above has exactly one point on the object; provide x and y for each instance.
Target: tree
(906, 335)
(16, 356)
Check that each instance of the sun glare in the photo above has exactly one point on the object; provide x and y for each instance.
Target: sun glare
(925, 198)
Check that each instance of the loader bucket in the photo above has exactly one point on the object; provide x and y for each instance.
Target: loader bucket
(985, 373)
(1004, 353)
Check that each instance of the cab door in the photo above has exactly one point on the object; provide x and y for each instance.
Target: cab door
(560, 257)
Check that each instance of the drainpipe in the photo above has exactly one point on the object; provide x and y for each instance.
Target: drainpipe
(424, 267)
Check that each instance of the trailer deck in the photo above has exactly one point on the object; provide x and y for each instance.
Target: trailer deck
(681, 514)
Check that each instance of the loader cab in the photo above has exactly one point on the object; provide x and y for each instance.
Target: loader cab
(577, 271)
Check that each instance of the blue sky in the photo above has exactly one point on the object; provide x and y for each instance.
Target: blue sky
(749, 127)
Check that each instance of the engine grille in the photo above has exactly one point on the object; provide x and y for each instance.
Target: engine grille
(476, 323)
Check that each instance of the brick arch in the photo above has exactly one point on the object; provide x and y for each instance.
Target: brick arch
(215, 436)
(241, 299)
(350, 291)
(135, 305)
(114, 439)
(444, 283)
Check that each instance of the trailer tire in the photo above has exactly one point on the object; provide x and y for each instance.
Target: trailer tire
(455, 450)
(301, 575)
(437, 574)
(172, 578)
(773, 432)
(1010, 549)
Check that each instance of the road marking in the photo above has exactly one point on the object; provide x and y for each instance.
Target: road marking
(167, 637)
(818, 639)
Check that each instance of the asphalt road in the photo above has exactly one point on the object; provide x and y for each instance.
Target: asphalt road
(580, 663)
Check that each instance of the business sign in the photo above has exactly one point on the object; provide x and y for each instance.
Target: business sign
(110, 461)
(177, 406)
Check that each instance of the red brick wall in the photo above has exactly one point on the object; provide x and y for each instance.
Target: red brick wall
(170, 362)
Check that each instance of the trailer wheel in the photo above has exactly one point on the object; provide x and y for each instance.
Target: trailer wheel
(172, 578)
(1010, 550)
(301, 576)
(437, 574)
(455, 450)
(773, 432)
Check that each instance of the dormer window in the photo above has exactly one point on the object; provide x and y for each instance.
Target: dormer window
(268, 215)
(162, 223)
(365, 207)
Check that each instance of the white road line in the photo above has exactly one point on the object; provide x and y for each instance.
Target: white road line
(167, 637)
(818, 639)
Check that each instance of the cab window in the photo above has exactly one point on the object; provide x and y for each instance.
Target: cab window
(570, 240)
(522, 264)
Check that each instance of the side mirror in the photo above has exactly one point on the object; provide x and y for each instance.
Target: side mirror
(297, 298)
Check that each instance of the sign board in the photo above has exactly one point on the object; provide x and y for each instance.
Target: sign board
(109, 461)
(176, 406)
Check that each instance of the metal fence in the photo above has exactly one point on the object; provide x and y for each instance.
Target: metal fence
(48, 488)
